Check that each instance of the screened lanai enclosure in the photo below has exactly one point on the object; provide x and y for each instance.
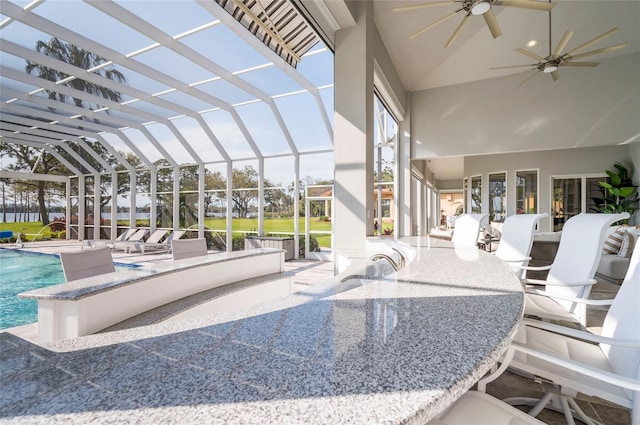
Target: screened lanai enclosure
(171, 114)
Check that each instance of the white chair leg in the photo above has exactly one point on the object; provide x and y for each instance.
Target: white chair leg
(555, 400)
(495, 374)
(542, 403)
(568, 415)
(580, 413)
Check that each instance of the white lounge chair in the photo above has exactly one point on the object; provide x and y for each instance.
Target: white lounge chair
(138, 236)
(149, 245)
(605, 366)
(188, 248)
(467, 229)
(123, 237)
(154, 238)
(517, 239)
(476, 408)
(570, 276)
(81, 264)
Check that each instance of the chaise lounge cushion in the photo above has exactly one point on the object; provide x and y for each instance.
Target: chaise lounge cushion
(613, 266)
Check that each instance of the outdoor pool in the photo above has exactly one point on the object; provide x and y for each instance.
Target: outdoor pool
(22, 271)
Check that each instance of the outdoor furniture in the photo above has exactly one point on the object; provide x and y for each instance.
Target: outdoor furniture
(613, 264)
(571, 274)
(286, 243)
(517, 239)
(188, 248)
(154, 238)
(605, 366)
(137, 236)
(467, 229)
(124, 236)
(476, 408)
(159, 246)
(80, 264)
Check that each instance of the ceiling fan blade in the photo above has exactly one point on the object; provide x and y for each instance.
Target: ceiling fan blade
(530, 77)
(603, 50)
(428, 27)
(531, 55)
(563, 43)
(594, 41)
(590, 64)
(457, 31)
(422, 6)
(555, 75)
(492, 23)
(525, 4)
(514, 66)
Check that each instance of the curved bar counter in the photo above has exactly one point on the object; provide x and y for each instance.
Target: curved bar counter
(395, 350)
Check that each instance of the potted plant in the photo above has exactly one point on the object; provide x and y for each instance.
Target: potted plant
(619, 193)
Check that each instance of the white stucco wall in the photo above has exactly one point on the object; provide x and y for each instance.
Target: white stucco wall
(586, 107)
(549, 163)
(634, 153)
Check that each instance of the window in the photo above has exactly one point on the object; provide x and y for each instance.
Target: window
(465, 194)
(527, 192)
(497, 197)
(385, 142)
(475, 193)
(572, 196)
(386, 208)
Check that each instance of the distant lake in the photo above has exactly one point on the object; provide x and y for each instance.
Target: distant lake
(32, 217)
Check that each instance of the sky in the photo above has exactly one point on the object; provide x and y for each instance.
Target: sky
(299, 111)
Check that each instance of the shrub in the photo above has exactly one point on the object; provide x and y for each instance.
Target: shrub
(237, 242)
(314, 246)
(58, 224)
(216, 241)
(323, 218)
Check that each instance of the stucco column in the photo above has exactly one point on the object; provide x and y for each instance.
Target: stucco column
(404, 181)
(353, 132)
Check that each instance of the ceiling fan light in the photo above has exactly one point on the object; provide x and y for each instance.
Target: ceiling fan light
(480, 8)
(549, 68)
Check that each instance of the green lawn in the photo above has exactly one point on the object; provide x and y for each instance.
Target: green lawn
(271, 225)
(29, 229)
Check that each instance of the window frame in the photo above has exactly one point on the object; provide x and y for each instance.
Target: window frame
(537, 197)
(583, 191)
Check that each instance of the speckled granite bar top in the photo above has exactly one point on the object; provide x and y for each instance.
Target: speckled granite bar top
(83, 288)
(397, 350)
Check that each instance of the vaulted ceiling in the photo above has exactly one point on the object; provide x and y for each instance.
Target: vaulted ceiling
(462, 73)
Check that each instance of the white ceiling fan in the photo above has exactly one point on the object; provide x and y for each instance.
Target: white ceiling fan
(474, 7)
(556, 59)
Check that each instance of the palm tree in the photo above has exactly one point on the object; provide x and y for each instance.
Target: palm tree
(80, 58)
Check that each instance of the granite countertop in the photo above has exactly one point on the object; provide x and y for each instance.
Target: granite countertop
(82, 288)
(394, 350)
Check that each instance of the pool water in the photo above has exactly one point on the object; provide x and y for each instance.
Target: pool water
(22, 271)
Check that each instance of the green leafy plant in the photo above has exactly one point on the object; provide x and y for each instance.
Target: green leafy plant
(619, 193)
